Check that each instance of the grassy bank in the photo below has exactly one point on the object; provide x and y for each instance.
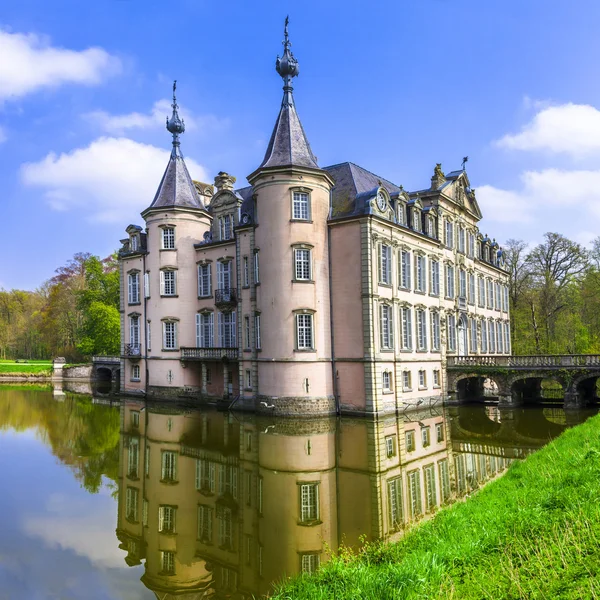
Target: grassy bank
(534, 533)
(25, 368)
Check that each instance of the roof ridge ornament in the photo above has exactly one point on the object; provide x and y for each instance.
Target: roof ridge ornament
(175, 124)
(287, 67)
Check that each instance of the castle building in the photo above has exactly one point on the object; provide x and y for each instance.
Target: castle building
(314, 290)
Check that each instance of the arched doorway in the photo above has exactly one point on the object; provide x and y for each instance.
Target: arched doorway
(462, 336)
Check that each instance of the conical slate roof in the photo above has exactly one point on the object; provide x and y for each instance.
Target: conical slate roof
(176, 186)
(289, 144)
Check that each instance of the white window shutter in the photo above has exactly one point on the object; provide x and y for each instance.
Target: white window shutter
(233, 329)
(198, 332)
(162, 283)
(221, 331)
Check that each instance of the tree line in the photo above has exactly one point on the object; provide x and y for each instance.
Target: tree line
(74, 314)
(554, 301)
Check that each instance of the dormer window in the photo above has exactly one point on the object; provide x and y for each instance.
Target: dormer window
(134, 243)
(416, 217)
(168, 238)
(225, 227)
(486, 253)
(430, 227)
(401, 216)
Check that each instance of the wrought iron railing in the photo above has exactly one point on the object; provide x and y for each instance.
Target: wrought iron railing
(226, 296)
(537, 361)
(209, 353)
(133, 349)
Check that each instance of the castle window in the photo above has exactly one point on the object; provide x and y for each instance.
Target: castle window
(507, 338)
(405, 269)
(490, 294)
(471, 288)
(134, 335)
(449, 281)
(246, 272)
(304, 331)
(473, 336)
(414, 490)
(168, 466)
(390, 445)
(247, 336)
(406, 328)
(133, 280)
(451, 323)
(421, 330)
(257, 330)
(166, 519)
(462, 284)
(421, 274)
(499, 337)
(497, 296)
(256, 268)
(430, 227)
(248, 379)
(435, 278)
(461, 238)
(401, 216)
(422, 380)
(416, 219)
(471, 247)
(205, 330)
(406, 385)
(225, 227)
(134, 243)
(205, 521)
(148, 336)
(227, 330)
(492, 336)
(430, 491)
(301, 206)
(484, 338)
(309, 502)
(310, 563)
(386, 327)
(135, 372)
(224, 275)
(131, 504)
(302, 264)
(168, 563)
(168, 282)
(394, 487)
(481, 285)
(168, 238)
(449, 241)
(386, 378)
(436, 379)
(146, 284)
(169, 335)
(409, 437)
(385, 264)
(204, 280)
(133, 457)
(435, 331)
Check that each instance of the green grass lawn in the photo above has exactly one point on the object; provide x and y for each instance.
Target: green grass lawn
(18, 368)
(533, 533)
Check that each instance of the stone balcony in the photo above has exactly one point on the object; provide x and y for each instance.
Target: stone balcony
(204, 354)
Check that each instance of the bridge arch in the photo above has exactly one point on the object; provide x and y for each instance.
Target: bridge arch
(586, 388)
(472, 386)
(103, 374)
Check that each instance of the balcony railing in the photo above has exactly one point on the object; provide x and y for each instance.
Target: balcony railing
(209, 353)
(133, 349)
(226, 296)
(535, 362)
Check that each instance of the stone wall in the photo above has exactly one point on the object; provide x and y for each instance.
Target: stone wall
(77, 372)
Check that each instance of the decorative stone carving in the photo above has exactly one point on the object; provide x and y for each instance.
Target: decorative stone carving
(224, 181)
(438, 178)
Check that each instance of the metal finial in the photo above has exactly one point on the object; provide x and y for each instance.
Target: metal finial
(464, 162)
(175, 124)
(287, 67)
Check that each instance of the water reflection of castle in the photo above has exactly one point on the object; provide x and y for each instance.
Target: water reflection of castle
(221, 507)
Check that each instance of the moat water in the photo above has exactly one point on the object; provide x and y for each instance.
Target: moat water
(125, 500)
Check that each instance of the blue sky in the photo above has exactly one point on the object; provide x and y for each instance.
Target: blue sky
(393, 86)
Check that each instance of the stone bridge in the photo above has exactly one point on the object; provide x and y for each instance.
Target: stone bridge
(107, 369)
(514, 379)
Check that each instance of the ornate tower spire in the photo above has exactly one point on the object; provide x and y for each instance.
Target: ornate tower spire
(176, 189)
(288, 145)
(287, 67)
(175, 124)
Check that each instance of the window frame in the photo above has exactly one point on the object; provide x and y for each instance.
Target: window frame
(302, 215)
(300, 316)
(167, 237)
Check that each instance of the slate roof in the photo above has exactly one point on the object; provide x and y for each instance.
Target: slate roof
(176, 187)
(354, 187)
(289, 144)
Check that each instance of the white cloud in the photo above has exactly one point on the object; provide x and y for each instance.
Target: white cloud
(544, 194)
(111, 180)
(572, 129)
(156, 118)
(31, 63)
